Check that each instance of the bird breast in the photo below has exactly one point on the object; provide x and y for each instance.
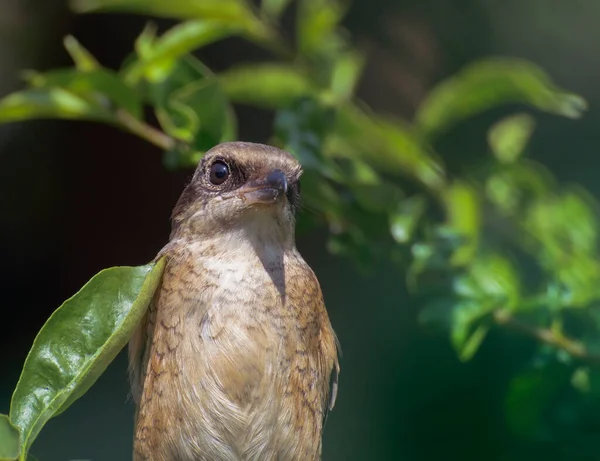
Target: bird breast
(223, 376)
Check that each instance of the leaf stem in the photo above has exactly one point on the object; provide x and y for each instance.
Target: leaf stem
(547, 336)
(145, 131)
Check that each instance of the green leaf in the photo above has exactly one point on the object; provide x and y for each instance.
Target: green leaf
(463, 218)
(50, 103)
(471, 345)
(78, 342)
(10, 447)
(509, 137)
(404, 220)
(233, 12)
(530, 394)
(191, 106)
(490, 280)
(316, 28)
(269, 85)
(489, 83)
(388, 145)
(82, 58)
(102, 88)
(512, 187)
(345, 75)
(489, 283)
(301, 129)
(466, 333)
(158, 58)
(144, 43)
(274, 8)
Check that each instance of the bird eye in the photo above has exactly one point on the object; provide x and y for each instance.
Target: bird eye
(219, 172)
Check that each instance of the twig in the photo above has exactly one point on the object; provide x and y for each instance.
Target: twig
(145, 131)
(546, 336)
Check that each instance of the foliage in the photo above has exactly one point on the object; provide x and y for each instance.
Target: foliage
(73, 349)
(498, 245)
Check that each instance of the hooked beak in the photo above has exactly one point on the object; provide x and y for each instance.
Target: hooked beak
(265, 191)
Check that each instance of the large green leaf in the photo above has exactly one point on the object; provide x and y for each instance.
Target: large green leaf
(490, 83)
(78, 342)
(10, 448)
(159, 58)
(269, 85)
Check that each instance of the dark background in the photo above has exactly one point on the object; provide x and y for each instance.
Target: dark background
(79, 197)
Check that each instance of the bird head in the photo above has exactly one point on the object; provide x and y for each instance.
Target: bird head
(237, 186)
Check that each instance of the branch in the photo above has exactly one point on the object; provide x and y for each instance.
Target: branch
(145, 131)
(546, 336)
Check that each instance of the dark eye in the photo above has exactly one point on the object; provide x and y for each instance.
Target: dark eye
(219, 172)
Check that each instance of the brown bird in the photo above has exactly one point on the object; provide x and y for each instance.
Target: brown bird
(236, 359)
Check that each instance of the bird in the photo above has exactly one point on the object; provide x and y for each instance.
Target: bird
(236, 358)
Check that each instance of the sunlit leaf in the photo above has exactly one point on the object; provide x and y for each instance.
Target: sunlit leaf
(232, 12)
(269, 85)
(78, 342)
(178, 9)
(191, 107)
(345, 75)
(101, 87)
(566, 224)
(509, 137)
(466, 332)
(511, 188)
(82, 58)
(404, 219)
(144, 43)
(471, 345)
(463, 218)
(159, 58)
(10, 447)
(490, 280)
(562, 232)
(489, 283)
(50, 103)
(387, 145)
(492, 82)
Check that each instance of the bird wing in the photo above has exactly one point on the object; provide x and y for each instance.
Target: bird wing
(334, 374)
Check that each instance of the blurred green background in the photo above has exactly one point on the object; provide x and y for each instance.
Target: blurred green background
(502, 260)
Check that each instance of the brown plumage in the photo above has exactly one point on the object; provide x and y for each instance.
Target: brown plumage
(236, 359)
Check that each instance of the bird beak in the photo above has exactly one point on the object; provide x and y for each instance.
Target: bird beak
(265, 191)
